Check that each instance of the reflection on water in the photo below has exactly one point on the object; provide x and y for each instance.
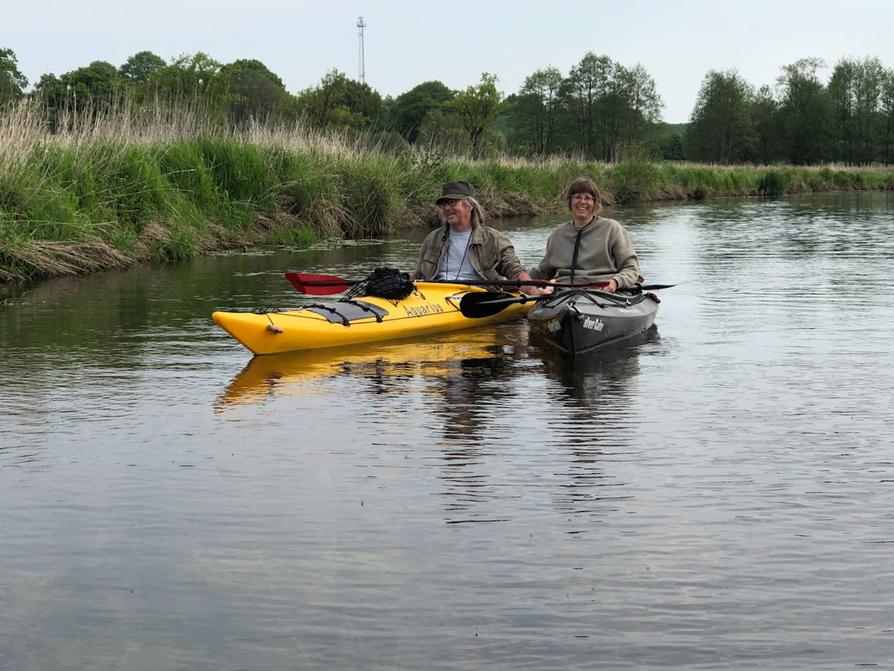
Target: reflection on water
(593, 378)
(598, 391)
(293, 373)
(466, 404)
(717, 496)
(464, 400)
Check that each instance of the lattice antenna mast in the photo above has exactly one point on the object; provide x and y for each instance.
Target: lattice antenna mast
(361, 24)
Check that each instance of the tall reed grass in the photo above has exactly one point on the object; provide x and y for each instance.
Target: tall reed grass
(108, 189)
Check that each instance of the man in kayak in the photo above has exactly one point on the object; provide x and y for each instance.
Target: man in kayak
(589, 248)
(464, 249)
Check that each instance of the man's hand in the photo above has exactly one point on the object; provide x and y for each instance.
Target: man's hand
(536, 291)
(528, 289)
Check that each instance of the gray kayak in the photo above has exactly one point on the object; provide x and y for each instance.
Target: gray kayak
(581, 320)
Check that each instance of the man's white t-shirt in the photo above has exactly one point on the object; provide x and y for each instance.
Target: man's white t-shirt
(457, 267)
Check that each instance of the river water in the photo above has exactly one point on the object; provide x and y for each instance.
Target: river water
(716, 494)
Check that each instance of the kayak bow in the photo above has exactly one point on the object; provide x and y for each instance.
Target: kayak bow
(579, 321)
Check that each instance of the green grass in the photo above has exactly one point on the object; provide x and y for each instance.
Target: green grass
(81, 203)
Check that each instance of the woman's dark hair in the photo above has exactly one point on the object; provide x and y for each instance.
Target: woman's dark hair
(585, 185)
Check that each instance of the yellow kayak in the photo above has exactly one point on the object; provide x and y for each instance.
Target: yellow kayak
(433, 307)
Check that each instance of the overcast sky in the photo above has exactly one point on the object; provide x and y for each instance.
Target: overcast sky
(411, 42)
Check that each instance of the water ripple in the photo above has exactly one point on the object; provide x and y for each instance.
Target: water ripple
(716, 494)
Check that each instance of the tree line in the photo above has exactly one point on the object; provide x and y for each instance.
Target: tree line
(600, 110)
(802, 121)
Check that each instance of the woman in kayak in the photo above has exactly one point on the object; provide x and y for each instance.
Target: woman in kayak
(464, 249)
(589, 248)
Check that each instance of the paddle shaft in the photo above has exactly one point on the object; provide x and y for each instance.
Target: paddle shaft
(322, 285)
(481, 304)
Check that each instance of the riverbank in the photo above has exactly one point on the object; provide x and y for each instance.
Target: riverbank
(112, 192)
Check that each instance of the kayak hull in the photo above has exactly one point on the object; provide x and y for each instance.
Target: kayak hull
(432, 308)
(581, 321)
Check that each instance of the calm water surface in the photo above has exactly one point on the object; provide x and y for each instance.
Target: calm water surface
(717, 494)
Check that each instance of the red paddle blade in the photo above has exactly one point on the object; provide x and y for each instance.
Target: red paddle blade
(318, 285)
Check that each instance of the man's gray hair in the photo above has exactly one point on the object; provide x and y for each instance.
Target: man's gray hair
(477, 210)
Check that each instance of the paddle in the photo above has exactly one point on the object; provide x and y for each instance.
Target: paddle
(319, 285)
(488, 303)
(324, 285)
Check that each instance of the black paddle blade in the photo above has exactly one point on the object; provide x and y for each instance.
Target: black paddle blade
(480, 304)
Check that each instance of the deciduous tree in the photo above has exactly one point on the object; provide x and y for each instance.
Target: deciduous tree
(886, 104)
(608, 108)
(477, 108)
(339, 102)
(409, 109)
(585, 96)
(190, 78)
(804, 112)
(767, 147)
(138, 67)
(720, 128)
(255, 91)
(534, 115)
(12, 81)
(640, 105)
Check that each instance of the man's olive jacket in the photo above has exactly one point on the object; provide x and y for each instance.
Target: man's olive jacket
(490, 253)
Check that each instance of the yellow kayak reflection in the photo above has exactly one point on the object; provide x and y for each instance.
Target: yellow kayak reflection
(288, 373)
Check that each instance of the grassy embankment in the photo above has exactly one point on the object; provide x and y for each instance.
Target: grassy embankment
(121, 190)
